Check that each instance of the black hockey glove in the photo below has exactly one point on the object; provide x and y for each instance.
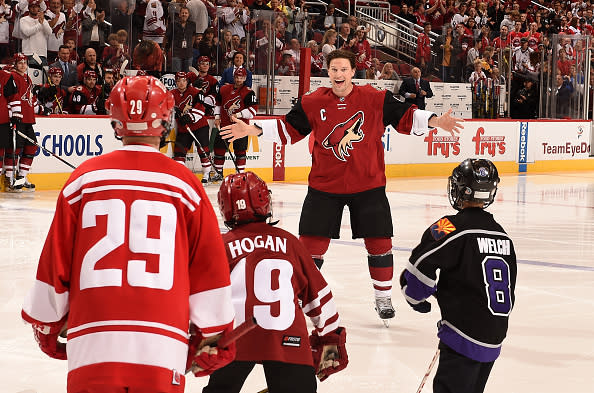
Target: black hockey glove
(185, 119)
(423, 307)
(100, 106)
(45, 111)
(178, 113)
(15, 120)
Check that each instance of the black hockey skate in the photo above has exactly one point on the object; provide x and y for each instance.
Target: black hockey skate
(385, 310)
(26, 185)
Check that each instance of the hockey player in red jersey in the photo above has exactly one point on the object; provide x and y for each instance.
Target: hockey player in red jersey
(84, 98)
(271, 272)
(7, 89)
(206, 83)
(477, 278)
(239, 101)
(23, 106)
(190, 117)
(347, 123)
(143, 257)
(52, 95)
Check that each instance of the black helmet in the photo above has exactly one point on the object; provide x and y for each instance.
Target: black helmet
(473, 180)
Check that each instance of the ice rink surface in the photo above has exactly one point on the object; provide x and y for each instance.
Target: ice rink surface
(550, 343)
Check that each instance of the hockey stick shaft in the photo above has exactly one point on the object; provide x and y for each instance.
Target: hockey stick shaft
(199, 146)
(435, 357)
(43, 148)
(236, 333)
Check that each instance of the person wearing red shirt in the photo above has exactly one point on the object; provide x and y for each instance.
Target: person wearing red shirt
(423, 54)
(279, 283)
(347, 124)
(144, 258)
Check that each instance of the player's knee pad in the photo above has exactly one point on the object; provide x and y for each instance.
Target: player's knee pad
(378, 245)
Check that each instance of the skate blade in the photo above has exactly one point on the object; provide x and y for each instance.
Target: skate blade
(386, 322)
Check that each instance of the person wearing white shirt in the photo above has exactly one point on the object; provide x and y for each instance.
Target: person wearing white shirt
(35, 31)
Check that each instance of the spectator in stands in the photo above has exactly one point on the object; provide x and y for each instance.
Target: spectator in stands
(154, 22)
(198, 14)
(208, 47)
(374, 70)
(487, 61)
(259, 5)
(496, 12)
(477, 74)
(90, 64)
(326, 20)
(435, 14)
(225, 51)
(71, 44)
(423, 54)
(473, 54)
(521, 57)
(460, 16)
(317, 59)
(121, 16)
(328, 46)
(292, 11)
(362, 51)
(69, 77)
(415, 89)
(148, 56)
(525, 101)
(5, 15)
(263, 38)
(56, 21)
(233, 17)
(388, 72)
(563, 63)
(563, 93)
(94, 28)
(180, 38)
(404, 14)
(35, 31)
(462, 42)
(446, 54)
(295, 49)
(344, 36)
(286, 67)
(238, 61)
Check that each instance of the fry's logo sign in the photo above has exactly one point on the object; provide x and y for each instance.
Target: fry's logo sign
(488, 145)
(442, 145)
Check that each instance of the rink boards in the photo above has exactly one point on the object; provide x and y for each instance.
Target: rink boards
(516, 146)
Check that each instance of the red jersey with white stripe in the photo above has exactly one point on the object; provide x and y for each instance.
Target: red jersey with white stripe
(23, 103)
(131, 257)
(270, 272)
(348, 154)
(7, 89)
(82, 100)
(233, 101)
(188, 102)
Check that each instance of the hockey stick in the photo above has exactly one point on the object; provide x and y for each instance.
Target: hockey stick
(40, 63)
(43, 148)
(199, 146)
(428, 371)
(123, 67)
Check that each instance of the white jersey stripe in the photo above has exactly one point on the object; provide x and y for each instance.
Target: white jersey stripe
(122, 322)
(382, 283)
(316, 302)
(127, 347)
(131, 175)
(43, 303)
(328, 310)
(212, 304)
(133, 187)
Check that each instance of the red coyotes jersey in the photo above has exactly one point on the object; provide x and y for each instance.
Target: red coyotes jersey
(59, 98)
(516, 38)
(83, 99)
(534, 40)
(423, 48)
(233, 100)
(131, 257)
(348, 154)
(501, 43)
(23, 103)
(270, 272)
(362, 51)
(188, 102)
(7, 89)
(208, 90)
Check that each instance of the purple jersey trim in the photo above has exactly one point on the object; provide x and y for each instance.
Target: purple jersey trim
(463, 345)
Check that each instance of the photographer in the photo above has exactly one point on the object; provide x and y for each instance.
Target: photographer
(525, 102)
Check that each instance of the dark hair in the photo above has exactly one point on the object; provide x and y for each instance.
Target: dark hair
(63, 47)
(341, 54)
(239, 53)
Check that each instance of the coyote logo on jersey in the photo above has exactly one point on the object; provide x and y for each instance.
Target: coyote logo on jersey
(342, 136)
(186, 104)
(233, 105)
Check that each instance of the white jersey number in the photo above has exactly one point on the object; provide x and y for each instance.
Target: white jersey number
(278, 312)
(139, 242)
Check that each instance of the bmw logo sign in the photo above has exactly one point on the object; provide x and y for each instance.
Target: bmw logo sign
(36, 73)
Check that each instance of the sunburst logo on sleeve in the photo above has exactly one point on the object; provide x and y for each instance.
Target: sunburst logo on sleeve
(442, 228)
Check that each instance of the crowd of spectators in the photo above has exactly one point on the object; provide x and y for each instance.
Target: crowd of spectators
(157, 36)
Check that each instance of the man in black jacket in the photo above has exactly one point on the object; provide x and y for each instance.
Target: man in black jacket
(414, 89)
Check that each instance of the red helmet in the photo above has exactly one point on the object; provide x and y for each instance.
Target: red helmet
(180, 75)
(240, 71)
(140, 106)
(89, 74)
(18, 57)
(204, 59)
(55, 71)
(244, 198)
